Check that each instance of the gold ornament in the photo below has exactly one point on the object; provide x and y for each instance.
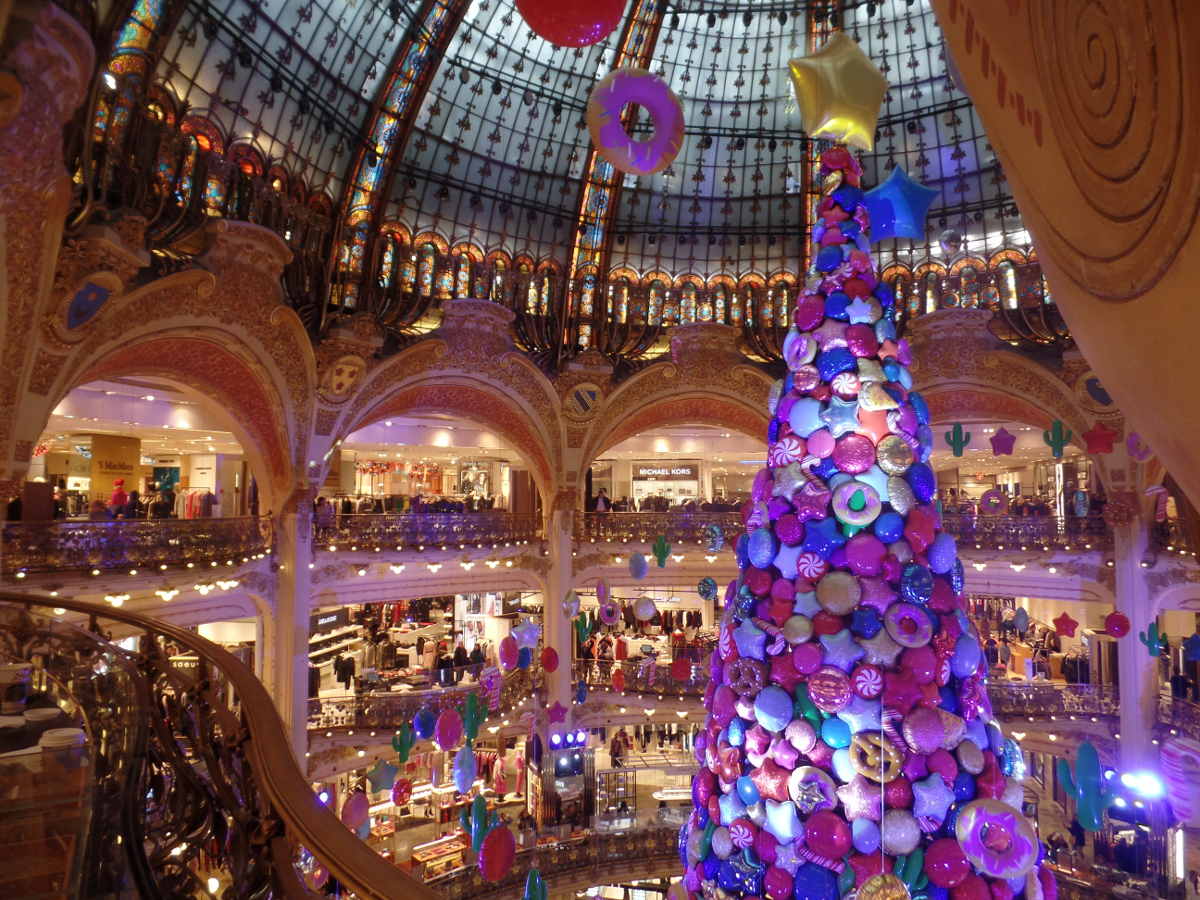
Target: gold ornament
(839, 91)
(883, 887)
(893, 455)
(873, 757)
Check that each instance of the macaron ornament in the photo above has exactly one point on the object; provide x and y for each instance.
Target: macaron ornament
(848, 724)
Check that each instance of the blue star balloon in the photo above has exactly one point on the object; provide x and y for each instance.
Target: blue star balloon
(898, 207)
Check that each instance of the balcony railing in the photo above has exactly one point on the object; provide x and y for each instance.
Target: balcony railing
(197, 779)
(685, 677)
(130, 543)
(1028, 532)
(411, 531)
(679, 528)
(605, 857)
(434, 691)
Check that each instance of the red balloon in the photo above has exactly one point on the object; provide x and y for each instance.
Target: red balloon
(572, 23)
(497, 853)
(550, 659)
(945, 863)
(1116, 625)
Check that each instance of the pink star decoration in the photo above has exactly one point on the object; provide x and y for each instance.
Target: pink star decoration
(1065, 625)
(1002, 442)
(1100, 438)
(558, 713)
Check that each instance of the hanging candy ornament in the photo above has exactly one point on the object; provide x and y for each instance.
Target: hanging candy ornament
(402, 791)
(1116, 624)
(572, 23)
(535, 886)
(898, 208)
(356, 809)
(403, 742)
(473, 715)
(839, 91)
(319, 876)
(524, 658)
(610, 613)
(508, 653)
(1064, 625)
(527, 634)
(714, 538)
(382, 776)
(581, 692)
(423, 723)
(707, 589)
(602, 592)
(638, 567)
(570, 605)
(644, 609)
(464, 768)
(449, 730)
(661, 550)
(626, 153)
(549, 659)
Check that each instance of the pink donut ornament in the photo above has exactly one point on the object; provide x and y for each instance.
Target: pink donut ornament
(614, 143)
(610, 613)
(907, 625)
(997, 839)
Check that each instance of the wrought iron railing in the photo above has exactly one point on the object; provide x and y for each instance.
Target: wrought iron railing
(436, 691)
(679, 528)
(687, 676)
(413, 531)
(201, 782)
(604, 857)
(130, 543)
(1028, 532)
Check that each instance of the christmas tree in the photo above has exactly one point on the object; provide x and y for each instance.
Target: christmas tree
(849, 748)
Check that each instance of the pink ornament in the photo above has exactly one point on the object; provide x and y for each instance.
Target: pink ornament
(789, 529)
(854, 453)
(448, 730)
(897, 793)
(810, 566)
(801, 735)
(923, 730)
(821, 443)
(1116, 625)
(355, 810)
(829, 690)
(865, 554)
(509, 651)
(861, 340)
(971, 888)
(742, 833)
(765, 846)
(760, 490)
(921, 662)
(777, 884)
(806, 658)
(945, 863)
(827, 833)
(785, 451)
(497, 853)
(550, 659)
(867, 681)
(809, 312)
(805, 378)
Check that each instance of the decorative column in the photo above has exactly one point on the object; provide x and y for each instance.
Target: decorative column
(285, 666)
(1137, 669)
(556, 625)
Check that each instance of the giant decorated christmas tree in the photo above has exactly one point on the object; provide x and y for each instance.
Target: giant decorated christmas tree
(849, 748)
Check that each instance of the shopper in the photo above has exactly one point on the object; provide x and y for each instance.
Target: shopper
(116, 503)
(603, 504)
(461, 661)
(476, 661)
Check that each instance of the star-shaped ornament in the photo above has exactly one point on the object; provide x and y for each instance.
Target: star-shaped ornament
(1100, 439)
(527, 635)
(783, 672)
(1002, 442)
(861, 799)
(809, 797)
(841, 416)
(874, 423)
(931, 797)
(782, 821)
(1065, 625)
(900, 692)
(898, 207)
(881, 649)
(860, 310)
(811, 503)
(558, 713)
(862, 715)
(842, 650)
(750, 639)
(877, 594)
(771, 779)
(731, 807)
(382, 776)
(823, 537)
(785, 559)
(788, 480)
(786, 858)
(830, 334)
(806, 604)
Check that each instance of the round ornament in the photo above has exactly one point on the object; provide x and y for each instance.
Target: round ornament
(626, 153)
(644, 609)
(610, 612)
(856, 503)
(996, 838)
(854, 453)
(838, 593)
(572, 23)
(829, 688)
(894, 455)
(993, 503)
(908, 625)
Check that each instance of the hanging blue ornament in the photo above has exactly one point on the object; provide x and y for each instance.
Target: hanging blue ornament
(898, 207)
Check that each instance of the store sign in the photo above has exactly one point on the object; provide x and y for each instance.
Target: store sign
(327, 621)
(666, 471)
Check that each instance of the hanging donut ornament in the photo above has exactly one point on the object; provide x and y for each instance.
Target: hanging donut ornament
(627, 153)
(993, 503)
(996, 839)
(572, 23)
(610, 612)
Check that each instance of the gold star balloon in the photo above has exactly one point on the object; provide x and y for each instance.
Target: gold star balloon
(839, 91)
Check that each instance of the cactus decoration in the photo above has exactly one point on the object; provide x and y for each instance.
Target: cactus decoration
(1057, 438)
(957, 439)
(1152, 639)
(814, 707)
(477, 822)
(403, 742)
(1086, 785)
(535, 886)
(473, 715)
(583, 628)
(660, 550)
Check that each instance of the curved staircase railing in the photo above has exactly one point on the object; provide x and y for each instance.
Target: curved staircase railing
(206, 772)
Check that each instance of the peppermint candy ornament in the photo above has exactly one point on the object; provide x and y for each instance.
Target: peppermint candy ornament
(810, 566)
(786, 450)
(867, 681)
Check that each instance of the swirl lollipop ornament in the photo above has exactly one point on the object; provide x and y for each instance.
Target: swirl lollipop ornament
(847, 681)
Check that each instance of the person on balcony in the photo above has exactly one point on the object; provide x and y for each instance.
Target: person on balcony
(324, 517)
(476, 660)
(116, 503)
(603, 504)
(132, 508)
(461, 661)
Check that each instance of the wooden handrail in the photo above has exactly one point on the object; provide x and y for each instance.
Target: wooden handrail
(306, 821)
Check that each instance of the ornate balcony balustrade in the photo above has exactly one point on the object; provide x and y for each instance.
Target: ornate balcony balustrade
(430, 690)
(130, 543)
(687, 676)
(1028, 532)
(411, 531)
(679, 528)
(193, 777)
(595, 858)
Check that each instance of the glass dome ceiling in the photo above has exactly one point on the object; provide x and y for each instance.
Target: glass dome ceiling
(496, 152)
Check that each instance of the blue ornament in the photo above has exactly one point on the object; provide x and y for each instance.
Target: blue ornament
(423, 723)
(524, 658)
(1191, 648)
(813, 882)
(580, 692)
(741, 550)
(747, 790)
(843, 768)
(826, 468)
(836, 306)
(866, 835)
(738, 873)
(773, 431)
(949, 700)
(763, 547)
(834, 361)
(805, 416)
(848, 197)
(1012, 761)
(711, 865)
(957, 577)
(964, 787)
(967, 657)
(916, 584)
(885, 329)
(828, 258)
(920, 407)
(735, 734)
(681, 843)
(898, 207)
(822, 537)
(835, 733)
(773, 708)
(889, 527)
(866, 622)
(922, 481)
